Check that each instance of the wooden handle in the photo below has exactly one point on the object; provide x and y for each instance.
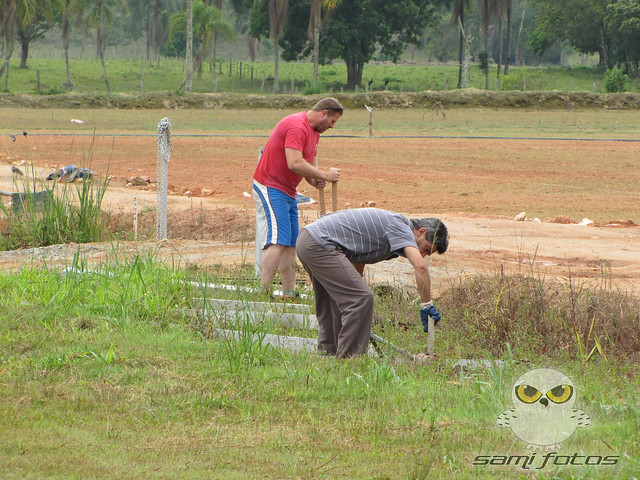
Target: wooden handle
(431, 325)
(323, 208)
(334, 196)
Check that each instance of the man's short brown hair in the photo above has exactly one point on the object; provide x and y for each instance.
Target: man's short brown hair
(328, 103)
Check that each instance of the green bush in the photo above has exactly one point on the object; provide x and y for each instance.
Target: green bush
(516, 80)
(614, 81)
(310, 89)
(483, 61)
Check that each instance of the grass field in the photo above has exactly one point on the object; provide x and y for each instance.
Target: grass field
(247, 77)
(103, 376)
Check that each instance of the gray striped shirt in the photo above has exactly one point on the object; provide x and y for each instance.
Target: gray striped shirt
(365, 235)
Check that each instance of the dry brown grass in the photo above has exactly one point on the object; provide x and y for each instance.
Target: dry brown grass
(539, 318)
(222, 224)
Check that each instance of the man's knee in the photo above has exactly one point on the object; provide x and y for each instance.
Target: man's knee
(366, 300)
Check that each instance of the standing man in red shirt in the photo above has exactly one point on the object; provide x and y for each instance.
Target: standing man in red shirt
(289, 156)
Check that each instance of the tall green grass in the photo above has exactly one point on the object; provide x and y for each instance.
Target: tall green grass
(102, 377)
(50, 214)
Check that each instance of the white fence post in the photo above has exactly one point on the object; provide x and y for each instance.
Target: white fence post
(164, 153)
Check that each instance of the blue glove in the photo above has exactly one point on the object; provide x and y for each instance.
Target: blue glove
(427, 312)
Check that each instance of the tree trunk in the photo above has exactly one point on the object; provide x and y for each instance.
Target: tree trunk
(499, 62)
(189, 59)
(508, 57)
(104, 70)
(466, 62)
(200, 59)
(65, 47)
(252, 46)
(316, 49)
(354, 73)
(68, 85)
(155, 39)
(604, 52)
(24, 53)
(9, 40)
(276, 75)
(485, 6)
(461, 46)
(524, 9)
(214, 73)
(149, 37)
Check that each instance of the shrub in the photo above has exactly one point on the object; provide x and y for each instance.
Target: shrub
(310, 89)
(483, 61)
(614, 81)
(516, 80)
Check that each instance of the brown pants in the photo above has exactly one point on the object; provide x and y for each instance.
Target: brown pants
(344, 302)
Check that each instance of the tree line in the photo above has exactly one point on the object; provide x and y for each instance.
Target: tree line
(482, 32)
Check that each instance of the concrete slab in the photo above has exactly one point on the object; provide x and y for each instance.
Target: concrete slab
(288, 320)
(292, 344)
(242, 305)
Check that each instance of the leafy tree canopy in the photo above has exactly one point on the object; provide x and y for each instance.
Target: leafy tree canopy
(623, 21)
(578, 22)
(356, 32)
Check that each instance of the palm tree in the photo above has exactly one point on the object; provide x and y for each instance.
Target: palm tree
(67, 8)
(214, 74)
(490, 10)
(457, 18)
(466, 61)
(499, 14)
(8, 24)
(524, 11)
(218, 25)
(277, 20)
(99, 16)
(189, 67)
(316, 22)
(33, 20)
(509, 9)
(207, 21)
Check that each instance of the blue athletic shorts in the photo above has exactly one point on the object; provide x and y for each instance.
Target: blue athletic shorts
(280, 212)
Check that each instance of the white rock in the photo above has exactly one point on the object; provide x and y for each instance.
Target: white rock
(521, 217)
(585, 222)
(536, 220)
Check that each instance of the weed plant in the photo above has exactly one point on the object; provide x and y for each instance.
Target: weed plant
(43, 214)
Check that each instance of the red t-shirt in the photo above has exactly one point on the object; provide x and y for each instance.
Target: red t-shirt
(295, 132)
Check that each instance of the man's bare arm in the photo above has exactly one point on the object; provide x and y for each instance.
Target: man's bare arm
(298, 165)
(423, 281)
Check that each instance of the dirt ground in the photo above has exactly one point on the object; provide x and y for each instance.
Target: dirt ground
(205, 200)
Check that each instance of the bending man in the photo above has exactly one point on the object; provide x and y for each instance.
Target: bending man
(334, 249)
